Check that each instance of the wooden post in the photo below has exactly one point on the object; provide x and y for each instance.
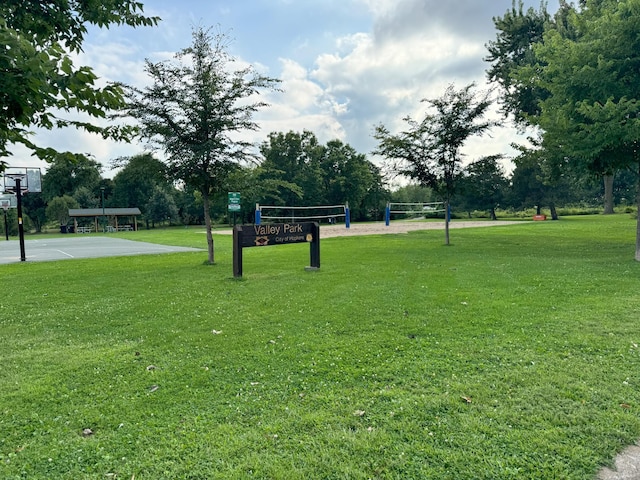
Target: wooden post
(237, 251)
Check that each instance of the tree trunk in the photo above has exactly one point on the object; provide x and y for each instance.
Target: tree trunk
(608, 194)
(207, 222)
(554, 212)
(538, 209)
(492, 214)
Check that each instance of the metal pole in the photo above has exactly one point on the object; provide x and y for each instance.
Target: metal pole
(23, 256)
(104, 225)
(6, 225)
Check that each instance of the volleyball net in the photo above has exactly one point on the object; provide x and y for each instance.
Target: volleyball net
(332, 214)
(413, 209)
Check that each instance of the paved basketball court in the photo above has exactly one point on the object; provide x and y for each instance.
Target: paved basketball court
(81, 247)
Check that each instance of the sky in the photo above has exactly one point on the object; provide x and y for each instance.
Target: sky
(345, 65)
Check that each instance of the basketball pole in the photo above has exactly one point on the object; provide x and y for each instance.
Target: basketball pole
(23, 255)
(6, 224)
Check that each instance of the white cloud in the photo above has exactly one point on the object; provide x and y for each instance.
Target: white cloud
(402, 52)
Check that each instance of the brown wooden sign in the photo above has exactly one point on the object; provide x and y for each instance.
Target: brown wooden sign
(245, 236)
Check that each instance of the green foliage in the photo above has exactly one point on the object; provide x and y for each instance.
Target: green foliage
(483, 185)
(429, 151)
(161, 207)
(11, 224)
(193, 111)
(66, 175)
(331, 174)
(517, 33)
(592, 116)
(34, 208)
(499, 358)
(37, 77)
(58, 209)
(136, 182)
(86, 198)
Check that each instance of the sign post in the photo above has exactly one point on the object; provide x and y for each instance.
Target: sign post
(245, 236)
(233, 205)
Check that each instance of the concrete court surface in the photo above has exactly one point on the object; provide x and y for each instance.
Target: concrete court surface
(42, 250)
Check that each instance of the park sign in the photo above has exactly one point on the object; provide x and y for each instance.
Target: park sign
(233, 205)
(245, 236)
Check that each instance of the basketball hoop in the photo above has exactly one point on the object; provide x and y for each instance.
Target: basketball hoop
(8, 201)
(30, 180)
(22, 180)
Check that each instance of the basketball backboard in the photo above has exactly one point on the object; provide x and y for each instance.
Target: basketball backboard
(8, 201)
(30, 180)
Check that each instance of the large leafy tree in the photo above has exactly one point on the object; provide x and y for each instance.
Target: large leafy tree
(517, 31)
(66, 175)
(484, 185)
(593, 110)
(347, 177)
(137, 181)
(58, 208)
(516, 66)
(160, 207)
(39, 83)
(34, 207)
(195, 109)
(295, 158)
(430, 150)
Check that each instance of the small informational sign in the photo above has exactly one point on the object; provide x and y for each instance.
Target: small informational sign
(245, 236)
(234, 202)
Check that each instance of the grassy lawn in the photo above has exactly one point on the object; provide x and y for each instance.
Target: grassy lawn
(513, 353)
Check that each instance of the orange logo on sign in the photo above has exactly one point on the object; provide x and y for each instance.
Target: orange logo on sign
(262, 241)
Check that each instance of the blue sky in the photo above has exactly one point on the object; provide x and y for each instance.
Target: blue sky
(345, 65)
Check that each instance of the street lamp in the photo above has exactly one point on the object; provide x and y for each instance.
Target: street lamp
(104, 228)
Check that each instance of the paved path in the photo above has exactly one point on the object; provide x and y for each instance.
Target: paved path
(50, 249)
(627, 466)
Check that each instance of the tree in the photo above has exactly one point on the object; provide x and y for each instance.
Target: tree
(484, 185)
(348, 178)
(331, 174)
(137, 181)
(58, 209)
(194, 111)
(37, 78)
(593, 111)
(527, 188)
(430, 150)
(412, 193)
(34, 207)
(517, 33)
(86, 198)
(160, 207)
(65, 175)
(294, 158)
(516, 66)
(257, 186)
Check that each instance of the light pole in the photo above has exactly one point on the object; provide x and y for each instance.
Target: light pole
(104, 226)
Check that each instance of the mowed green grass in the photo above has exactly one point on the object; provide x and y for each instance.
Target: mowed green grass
(513, 353)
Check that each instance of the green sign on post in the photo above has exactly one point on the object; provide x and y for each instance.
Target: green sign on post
(234, 202)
